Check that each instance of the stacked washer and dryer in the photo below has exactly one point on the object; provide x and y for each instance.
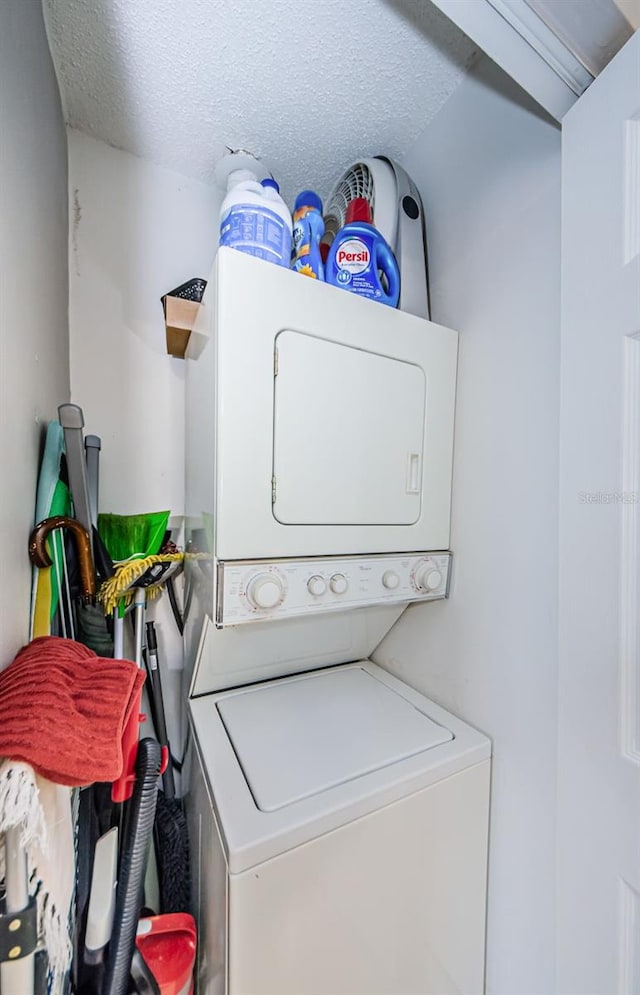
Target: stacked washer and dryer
(338, 818)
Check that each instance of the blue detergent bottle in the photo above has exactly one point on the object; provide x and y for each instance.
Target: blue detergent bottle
(308, 229)
(360, 260)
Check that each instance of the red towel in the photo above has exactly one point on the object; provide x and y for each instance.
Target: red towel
(63, 710)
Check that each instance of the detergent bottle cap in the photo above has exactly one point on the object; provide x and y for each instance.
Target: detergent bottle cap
(307, 198)
(270, 182)
(240, 176)
(359, 210)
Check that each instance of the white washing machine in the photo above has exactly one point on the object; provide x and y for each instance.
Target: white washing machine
(339, 825)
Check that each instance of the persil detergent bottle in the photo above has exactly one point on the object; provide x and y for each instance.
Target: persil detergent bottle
(308, 229)
(255, 219)
(360, 260)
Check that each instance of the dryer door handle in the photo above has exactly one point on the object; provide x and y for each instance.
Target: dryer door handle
(413, 473)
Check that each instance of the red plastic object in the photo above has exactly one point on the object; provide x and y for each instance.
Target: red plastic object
(359, 210)
(122, 789)
(164, 759)
(168, 946)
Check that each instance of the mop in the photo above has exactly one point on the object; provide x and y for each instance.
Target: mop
(62, 713)
(38, 812)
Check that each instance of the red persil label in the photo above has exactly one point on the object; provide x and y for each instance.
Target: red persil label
(353, 256)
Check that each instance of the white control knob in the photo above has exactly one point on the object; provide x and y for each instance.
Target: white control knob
(428, 578)
(338, 583)
(265, 590)
(433, 580)
(390, 580)
(316, 585)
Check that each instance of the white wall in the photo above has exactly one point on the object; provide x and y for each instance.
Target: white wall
(488, 169)
(34, 351)
(137, 231)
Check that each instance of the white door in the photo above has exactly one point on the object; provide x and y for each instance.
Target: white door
(598, 858)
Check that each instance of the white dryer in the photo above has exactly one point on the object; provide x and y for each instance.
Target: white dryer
(319, 425)
(339, 826)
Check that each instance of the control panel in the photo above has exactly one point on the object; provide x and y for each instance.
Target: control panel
(250, 590)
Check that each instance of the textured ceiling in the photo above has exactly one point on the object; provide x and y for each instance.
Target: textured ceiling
(308, 87)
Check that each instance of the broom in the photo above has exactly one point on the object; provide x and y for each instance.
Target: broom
(141, 555)
(145, 560)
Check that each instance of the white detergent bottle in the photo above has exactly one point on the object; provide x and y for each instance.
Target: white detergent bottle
(255, 219)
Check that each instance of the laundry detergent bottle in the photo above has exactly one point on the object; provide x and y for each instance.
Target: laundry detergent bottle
(255, 219)
(308, 229)
(360, 260)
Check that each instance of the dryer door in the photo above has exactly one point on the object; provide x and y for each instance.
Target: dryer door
(348, 433)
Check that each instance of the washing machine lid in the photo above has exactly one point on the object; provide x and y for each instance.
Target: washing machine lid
(321, 720)
(305, 736)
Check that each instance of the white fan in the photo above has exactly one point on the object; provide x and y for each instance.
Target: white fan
(397, 214)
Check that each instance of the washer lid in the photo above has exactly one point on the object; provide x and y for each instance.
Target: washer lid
(301, 737)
